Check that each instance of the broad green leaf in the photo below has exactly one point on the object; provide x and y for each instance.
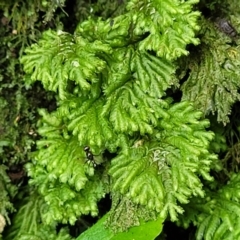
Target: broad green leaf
(146, 231)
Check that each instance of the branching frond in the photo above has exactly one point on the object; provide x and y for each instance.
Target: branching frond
(162, 172)
(28, 223)
(217, 215)
(60, 57)
(213, 82)
(111, 77)
(170, 26)
(165, 27)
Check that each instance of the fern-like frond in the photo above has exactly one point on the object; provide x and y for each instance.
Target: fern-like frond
(110, 77)
(59, 58)
(217, 215)
(135, 176)
(73, 204)
(170, 26)
(134, 110)
(214, 69)
(90, 126)
(66, 180)
(167, 163)
(62, 175)
(28, 223)
(154, 75)
(163, 27)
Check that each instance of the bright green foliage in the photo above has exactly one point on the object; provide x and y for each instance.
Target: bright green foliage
(28, 223)
(111, 78)
(160, 171)
(170, 25)
(117, 89)
(63, 177)
(214, 66)
(76, 56)
(164, 27)
(217, 215)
